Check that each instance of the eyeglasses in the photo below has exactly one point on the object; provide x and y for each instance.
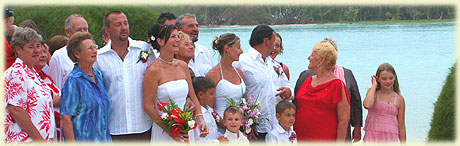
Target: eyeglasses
(93, 47)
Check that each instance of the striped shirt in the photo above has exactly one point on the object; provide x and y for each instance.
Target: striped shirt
(124, 82)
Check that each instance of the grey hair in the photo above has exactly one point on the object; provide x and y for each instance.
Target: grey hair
(68, 25)
(178, 22)
(22, 36)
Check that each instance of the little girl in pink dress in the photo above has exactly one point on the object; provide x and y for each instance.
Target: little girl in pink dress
(385, 119)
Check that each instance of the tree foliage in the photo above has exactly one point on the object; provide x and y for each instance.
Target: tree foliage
(51, 19)
(443, 120)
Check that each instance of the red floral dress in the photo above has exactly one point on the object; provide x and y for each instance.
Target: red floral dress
(24, 89)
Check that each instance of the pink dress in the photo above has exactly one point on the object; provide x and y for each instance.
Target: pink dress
(382, 123)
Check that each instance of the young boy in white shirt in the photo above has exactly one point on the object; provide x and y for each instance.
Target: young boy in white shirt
(283, 132)
(205, 90)
(233, 120)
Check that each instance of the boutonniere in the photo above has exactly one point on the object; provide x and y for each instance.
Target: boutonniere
(144, 56)
(216, 116)
(278, 69)
(293, 138)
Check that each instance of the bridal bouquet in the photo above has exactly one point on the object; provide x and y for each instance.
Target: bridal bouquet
(176, 120)
(251, 112)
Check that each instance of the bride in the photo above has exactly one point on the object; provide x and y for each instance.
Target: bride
(168, 78)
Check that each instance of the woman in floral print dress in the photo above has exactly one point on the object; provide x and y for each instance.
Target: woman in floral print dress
(29, 105)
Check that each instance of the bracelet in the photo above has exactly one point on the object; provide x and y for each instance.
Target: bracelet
(198, 115)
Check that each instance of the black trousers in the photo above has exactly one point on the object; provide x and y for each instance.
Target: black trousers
(138, 137)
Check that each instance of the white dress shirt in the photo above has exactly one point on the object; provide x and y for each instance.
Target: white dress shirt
(279, 135)
(202, 62)
(124, 83)
(60, 67)
(281, 81)
(234, 138)
(258, 77)
(211, 123)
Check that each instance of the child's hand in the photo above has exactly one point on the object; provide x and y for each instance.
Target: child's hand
(374, 80)
(204, 130)
(222, 139)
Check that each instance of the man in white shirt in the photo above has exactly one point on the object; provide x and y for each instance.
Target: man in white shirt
(60, 64)
(257, 67)
(123, 74)
(201, 63)
(280, 80)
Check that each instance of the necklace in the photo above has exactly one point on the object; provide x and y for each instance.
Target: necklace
(167, 62)
(122, 56)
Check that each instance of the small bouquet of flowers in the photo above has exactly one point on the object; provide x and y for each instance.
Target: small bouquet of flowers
(278, 69)
(251, 112)
(144, 56)
(176, 120)
(293, 138)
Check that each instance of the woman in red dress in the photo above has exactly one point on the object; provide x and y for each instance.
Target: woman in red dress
(323, 102)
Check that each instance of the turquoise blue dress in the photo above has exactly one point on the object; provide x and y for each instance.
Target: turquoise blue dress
(80, 92)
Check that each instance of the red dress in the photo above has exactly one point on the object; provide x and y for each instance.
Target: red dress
(9, 55)
(316, 117)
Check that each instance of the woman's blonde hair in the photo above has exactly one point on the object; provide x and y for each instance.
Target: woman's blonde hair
(184, 37)
(328, 51)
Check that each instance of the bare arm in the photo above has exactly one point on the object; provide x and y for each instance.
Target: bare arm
(24, 121)
(151, 79)
(370, 95)
(57, 101)
(343, 116)
(151, 82)
(67, 128)
(401, 120)
(286, 71)
(191, 93)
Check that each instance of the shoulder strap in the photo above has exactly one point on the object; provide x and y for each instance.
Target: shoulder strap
(237, 73)
(394, 98)
(221, 74)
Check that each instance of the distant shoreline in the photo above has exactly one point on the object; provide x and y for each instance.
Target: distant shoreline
(357, 22)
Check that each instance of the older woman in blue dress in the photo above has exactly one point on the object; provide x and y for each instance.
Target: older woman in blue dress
(84, 103)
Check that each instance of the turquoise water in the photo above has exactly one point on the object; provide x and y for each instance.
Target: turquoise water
(421, 53)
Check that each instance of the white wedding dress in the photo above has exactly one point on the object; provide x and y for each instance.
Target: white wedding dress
(175, 90)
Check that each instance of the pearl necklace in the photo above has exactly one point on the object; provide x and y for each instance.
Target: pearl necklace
(167, 62)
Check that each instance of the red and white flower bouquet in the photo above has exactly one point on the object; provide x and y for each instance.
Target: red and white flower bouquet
(176, 120)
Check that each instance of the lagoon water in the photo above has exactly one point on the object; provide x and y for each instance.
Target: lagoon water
(421, 53)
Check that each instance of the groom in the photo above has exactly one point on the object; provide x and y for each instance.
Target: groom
(257, 67)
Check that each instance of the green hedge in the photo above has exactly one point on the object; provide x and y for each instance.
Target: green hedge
(443, 121)
(51, 19)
